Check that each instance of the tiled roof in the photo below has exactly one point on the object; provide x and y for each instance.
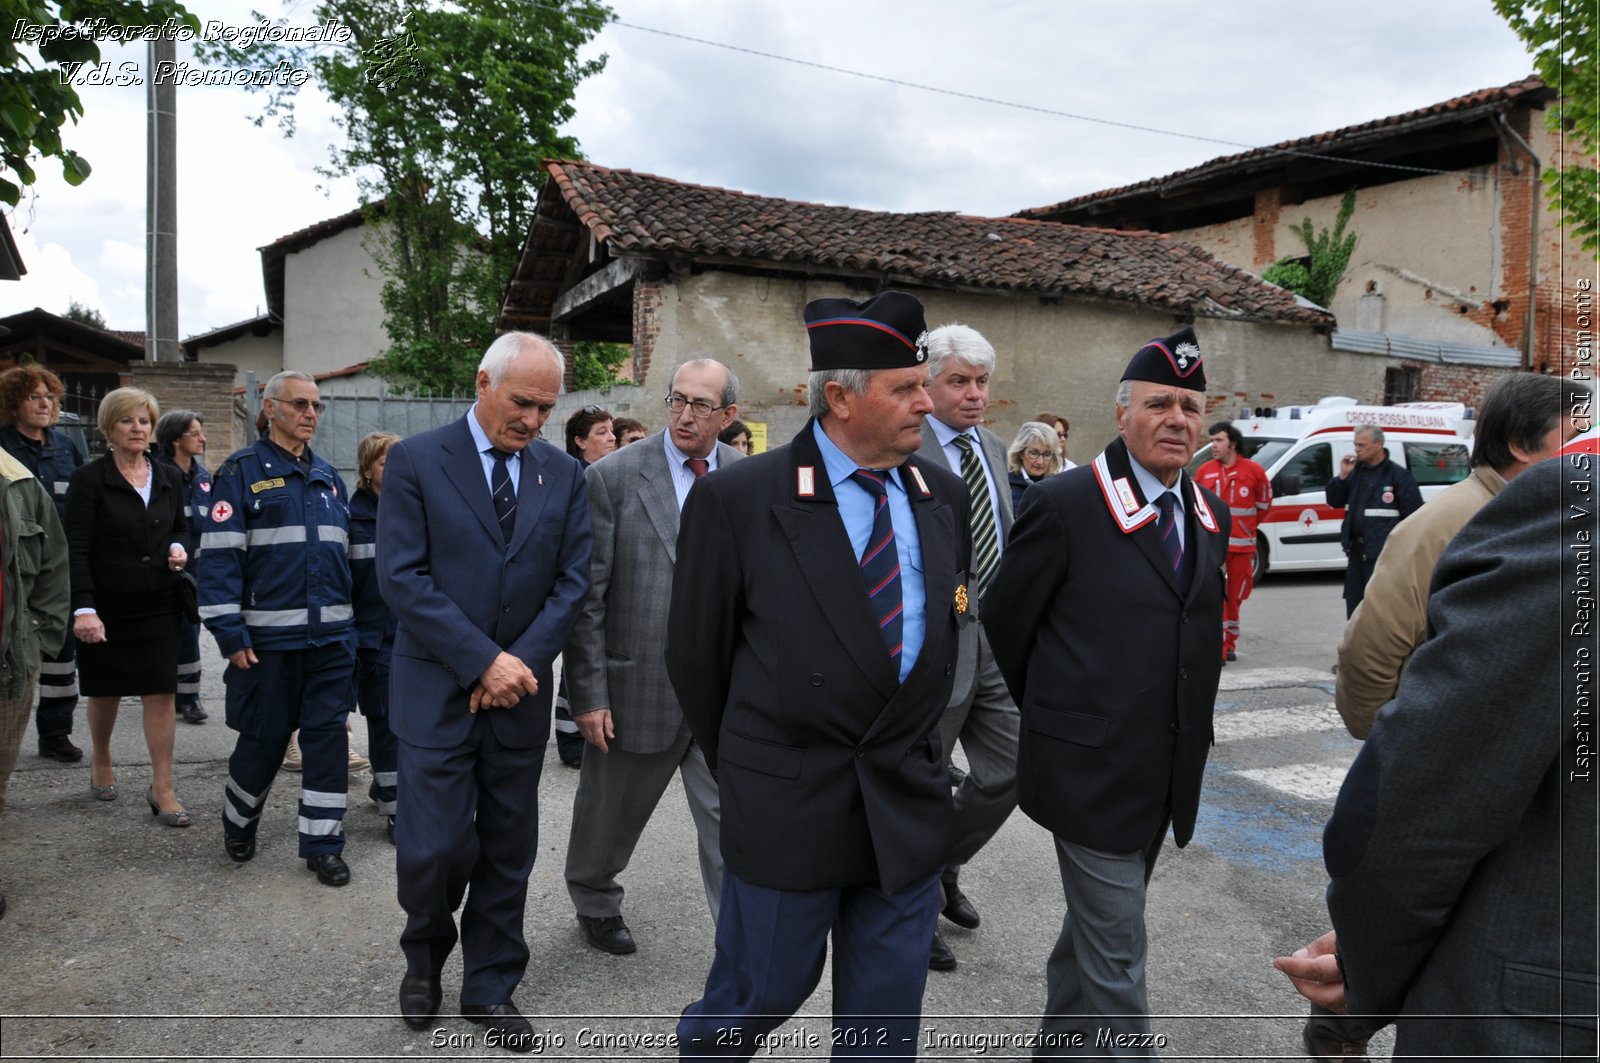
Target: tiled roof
(647, 216)
(273, 254)
(1530, 91)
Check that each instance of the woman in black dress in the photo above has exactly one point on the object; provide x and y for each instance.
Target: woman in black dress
(125, 528)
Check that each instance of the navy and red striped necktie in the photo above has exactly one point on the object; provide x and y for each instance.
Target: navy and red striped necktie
(880, 563)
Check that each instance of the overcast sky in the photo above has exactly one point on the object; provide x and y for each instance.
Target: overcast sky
(1241, 72)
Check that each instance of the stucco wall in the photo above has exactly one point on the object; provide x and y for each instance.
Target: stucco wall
(1440, 256)
(332, 314)
(264, 354)
(1065, 357)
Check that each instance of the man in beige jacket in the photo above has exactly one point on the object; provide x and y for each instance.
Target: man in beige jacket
(1525, 418)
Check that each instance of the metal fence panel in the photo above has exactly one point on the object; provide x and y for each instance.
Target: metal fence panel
(349, 418)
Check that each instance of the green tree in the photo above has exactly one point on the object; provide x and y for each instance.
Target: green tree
(594, 364)
(41, 40)
(1328, 253)
(1564, 39)
(83, 315)
(448, 110)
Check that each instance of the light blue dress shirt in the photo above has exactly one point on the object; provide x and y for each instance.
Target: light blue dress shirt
(682, 476)
(857, 507)
(1153, 488)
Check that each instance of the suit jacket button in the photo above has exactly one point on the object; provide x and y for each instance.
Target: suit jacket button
(949, 668)
(1183, 673)
(505, 608)
(1184, 618)
(1173, 728)
(816, 679)
(861, 751)
(145, 559)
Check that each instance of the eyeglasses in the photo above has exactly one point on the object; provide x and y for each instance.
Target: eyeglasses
(1038, 455)
(44, 397)
(593, 409)
(699, 407)
(302, 405)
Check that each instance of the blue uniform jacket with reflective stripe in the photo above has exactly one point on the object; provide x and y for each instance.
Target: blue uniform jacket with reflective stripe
(197, 493)
(52, 463)
(274, 571)
(375, 622)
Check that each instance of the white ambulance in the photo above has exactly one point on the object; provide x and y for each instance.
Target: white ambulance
(1300, 447)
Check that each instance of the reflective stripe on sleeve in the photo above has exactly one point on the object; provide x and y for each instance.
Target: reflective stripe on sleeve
(275, 617)
(226, 609)
(332, 614)
(363, 551)
(332, 533)
(222, 540)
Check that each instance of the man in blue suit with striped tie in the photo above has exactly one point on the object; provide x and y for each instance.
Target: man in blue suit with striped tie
(483, 554)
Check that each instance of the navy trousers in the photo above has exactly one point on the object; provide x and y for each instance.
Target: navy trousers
(313, 690)
(467, 825)
(771, 945)
(372, 697)
(189, 665)
(58, 690)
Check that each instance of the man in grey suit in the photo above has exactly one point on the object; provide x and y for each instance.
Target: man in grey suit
(1461, 849)
(617, 685)
(981, 713)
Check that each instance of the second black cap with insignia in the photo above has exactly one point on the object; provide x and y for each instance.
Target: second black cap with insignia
(1173, 360)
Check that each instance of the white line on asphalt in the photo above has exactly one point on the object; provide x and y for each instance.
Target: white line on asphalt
(1275, 723)
(1309, 782)
(1236, 678)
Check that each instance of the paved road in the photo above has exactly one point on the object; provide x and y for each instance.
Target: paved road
(125, 938)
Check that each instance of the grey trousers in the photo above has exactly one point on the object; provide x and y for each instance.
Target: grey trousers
(986, 724)
(617, 792)
(1095, 978)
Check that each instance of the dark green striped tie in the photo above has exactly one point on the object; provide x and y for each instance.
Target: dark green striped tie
(985, 536)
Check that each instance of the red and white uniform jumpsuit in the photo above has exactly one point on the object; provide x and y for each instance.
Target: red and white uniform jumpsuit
(1243, 486)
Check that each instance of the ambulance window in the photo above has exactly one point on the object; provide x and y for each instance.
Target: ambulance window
(1313, 466)
(1438, 463)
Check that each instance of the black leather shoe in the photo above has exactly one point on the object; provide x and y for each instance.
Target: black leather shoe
(608, 933)
(419, 999)
(958, 909)
(330, 869)
(240, 850)
(60, 747)
(193, 713)
(1231, 656)
(940, 958)
(507, 1028)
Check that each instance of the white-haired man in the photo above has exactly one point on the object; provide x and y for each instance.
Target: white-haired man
(981, 713)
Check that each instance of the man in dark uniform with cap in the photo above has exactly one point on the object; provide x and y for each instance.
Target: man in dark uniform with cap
(811, 643)
(1106, 620)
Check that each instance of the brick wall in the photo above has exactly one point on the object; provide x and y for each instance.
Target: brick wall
(1269, 206)
(1453, 383)
(206, 389)
(647, 299)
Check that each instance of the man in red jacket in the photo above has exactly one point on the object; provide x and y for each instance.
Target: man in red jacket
(1242, 484)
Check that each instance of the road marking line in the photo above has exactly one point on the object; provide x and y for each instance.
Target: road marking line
(1309, 782)
(1236, 678)
(1276, 723)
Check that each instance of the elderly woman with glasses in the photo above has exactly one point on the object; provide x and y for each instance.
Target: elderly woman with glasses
(1034, 455)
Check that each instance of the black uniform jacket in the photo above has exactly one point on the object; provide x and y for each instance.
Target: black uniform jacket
(1112, 663)
(830, 769)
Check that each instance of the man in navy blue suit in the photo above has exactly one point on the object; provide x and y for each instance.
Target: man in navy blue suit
(483, 554)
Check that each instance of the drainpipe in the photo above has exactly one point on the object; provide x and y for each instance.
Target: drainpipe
(1505, 130)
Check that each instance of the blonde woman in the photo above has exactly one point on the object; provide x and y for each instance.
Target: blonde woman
(1034, 455)
(375, 624)
(126, 525)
